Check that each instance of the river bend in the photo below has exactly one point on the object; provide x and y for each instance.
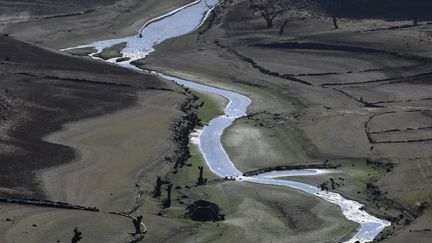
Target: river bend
(185, 20)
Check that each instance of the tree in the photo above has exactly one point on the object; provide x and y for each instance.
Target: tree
(324, 186)
(269, 9)
(137, 224)
(282, 28)
(334, 8)
(167, 202)
(335, 24)
(77, 236)
(201, 180)
(157, 187)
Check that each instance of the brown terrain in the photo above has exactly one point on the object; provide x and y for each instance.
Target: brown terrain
(118, 127)
(357, 96)
(43, 91)
(82, 142)
(62, 24)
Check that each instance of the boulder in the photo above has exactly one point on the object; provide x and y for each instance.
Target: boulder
(202, 210)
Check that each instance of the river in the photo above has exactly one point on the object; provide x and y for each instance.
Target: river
(185, 20)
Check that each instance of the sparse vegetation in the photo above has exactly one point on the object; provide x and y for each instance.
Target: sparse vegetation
(269, 9)
(324, 113)
(77, 235)
(167, 201)
(137, 224)
(201, 180)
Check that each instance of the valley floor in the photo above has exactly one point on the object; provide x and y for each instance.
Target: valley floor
(358, 96)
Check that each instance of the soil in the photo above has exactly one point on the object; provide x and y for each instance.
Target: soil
(44, 90)
(357, 96)
(346, 95)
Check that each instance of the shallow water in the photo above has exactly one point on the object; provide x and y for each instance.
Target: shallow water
(176, 23)
(183, 21)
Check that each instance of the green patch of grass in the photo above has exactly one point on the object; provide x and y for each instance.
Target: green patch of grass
(184, 191)
(82, 51)
(188, 175)
(112, 52)
(355, 179)
(211, 106)
(284, 140)
(281, 144)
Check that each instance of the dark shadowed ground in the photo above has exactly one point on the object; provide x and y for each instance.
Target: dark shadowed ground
(40, 91)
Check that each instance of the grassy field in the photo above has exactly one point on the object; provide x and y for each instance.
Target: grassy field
(112, 52)
(375, 78)
(212, 106)
(76, 131)
(247, 206)
(308, 110)
(270, 145)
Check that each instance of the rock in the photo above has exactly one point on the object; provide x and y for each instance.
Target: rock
(202, 210)
(122, 59)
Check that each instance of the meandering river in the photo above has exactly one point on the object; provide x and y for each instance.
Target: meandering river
(182, 21)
